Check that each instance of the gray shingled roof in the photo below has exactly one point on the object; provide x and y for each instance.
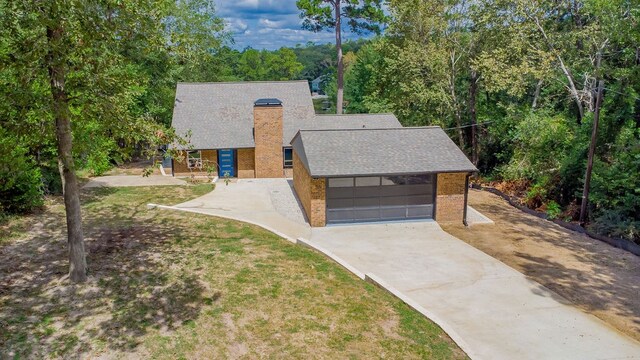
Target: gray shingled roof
(327, 153)
(220, 115)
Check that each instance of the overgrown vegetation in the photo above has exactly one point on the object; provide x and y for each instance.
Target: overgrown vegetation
(514, 84)
(170, 285)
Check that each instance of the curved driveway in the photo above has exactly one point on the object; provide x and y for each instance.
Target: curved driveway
(491, 310)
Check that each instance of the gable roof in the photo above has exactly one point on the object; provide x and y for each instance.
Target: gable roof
(220, 115)
(356, 152)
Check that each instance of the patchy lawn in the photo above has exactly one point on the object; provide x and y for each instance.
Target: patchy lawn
(179, 285)
(595, 276)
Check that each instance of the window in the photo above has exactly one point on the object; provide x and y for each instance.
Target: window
(194, 159)
(288, 157)
(367, 181)
(341, 182)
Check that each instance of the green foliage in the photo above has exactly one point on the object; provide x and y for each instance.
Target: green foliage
(532, 68)
(361, 16)
(540, 141)
(20, 185)
(616, 187)
(553, 210)
(255, 65)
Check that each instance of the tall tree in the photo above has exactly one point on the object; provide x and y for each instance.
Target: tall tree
(361, 15)
(74, 52)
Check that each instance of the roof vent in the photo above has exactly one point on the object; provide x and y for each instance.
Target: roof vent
(268, 102)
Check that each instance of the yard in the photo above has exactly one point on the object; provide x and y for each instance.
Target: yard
(596, 277)
(179, 285)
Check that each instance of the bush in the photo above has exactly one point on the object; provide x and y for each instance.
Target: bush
(615, 188)
(20, 180)
(553, 210)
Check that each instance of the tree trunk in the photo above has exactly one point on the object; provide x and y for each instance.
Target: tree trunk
(565, 70)
(456, 104)
(536, 94)
(592, 150)
(340, 95)
(56, 68)
(473, 91)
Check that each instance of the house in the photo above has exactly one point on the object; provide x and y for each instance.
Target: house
(244, 129)
(345, 168)
(356, 175)
(316, 84)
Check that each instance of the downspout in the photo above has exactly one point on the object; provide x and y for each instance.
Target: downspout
(466, 198)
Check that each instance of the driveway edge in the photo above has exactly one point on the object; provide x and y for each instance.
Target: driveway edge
(167, 207)
(373, 279)
(332, 256)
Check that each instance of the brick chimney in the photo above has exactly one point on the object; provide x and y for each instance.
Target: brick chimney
(267, 132)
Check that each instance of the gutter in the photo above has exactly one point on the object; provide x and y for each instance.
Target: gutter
(466, 199)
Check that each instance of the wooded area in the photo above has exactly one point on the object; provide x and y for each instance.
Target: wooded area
(513, 82)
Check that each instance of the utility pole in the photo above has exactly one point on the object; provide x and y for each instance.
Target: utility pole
(592, 149)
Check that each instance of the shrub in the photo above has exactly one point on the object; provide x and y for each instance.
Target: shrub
(20, 180)
(553, 210)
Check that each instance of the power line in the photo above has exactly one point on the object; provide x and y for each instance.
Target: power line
(470, 125)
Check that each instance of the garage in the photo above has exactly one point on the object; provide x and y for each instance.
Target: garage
(368, 175)
(380, 198)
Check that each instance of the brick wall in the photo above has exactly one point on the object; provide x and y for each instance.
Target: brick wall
(208, 157)
(268, 138)
(311, 192)
(450, 197)
(288, 172)
(246, 163)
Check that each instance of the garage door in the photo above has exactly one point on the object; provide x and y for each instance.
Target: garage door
(354, 199)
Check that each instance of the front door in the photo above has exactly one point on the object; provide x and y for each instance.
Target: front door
(226, 163)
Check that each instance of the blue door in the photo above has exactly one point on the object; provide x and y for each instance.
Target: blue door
(226, 162)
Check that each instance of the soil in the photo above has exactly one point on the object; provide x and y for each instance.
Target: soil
(596, 277)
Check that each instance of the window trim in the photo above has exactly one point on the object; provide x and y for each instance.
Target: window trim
(197, 161)
(287, 164)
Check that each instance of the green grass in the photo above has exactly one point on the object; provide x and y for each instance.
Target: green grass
(173, 285)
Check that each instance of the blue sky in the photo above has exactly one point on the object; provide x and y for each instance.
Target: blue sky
(268, 24)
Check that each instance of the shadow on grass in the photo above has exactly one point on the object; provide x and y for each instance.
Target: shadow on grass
(133, 287)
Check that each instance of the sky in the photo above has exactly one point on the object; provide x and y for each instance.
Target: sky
(268, 24)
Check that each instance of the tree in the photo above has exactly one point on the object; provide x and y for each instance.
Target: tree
(72, 60)
(362, 16)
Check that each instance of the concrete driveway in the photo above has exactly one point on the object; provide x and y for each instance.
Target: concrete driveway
(489, 309)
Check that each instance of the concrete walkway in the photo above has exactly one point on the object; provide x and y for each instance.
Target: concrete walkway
(269, 203)
(133, 180)
(488, 308)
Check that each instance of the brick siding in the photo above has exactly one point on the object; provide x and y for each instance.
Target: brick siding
(209, 157)
(450, 197)
(268, 138)
(311, 192)
(246, 163)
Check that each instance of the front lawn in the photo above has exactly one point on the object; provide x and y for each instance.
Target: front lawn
(178, 285)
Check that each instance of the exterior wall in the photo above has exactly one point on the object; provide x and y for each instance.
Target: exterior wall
(246, 163)
(268, 138)
(450, 197)
(311, 192)
(209, 157)
(288, 172)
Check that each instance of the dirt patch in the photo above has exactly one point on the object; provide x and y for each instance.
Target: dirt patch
(596, 277)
